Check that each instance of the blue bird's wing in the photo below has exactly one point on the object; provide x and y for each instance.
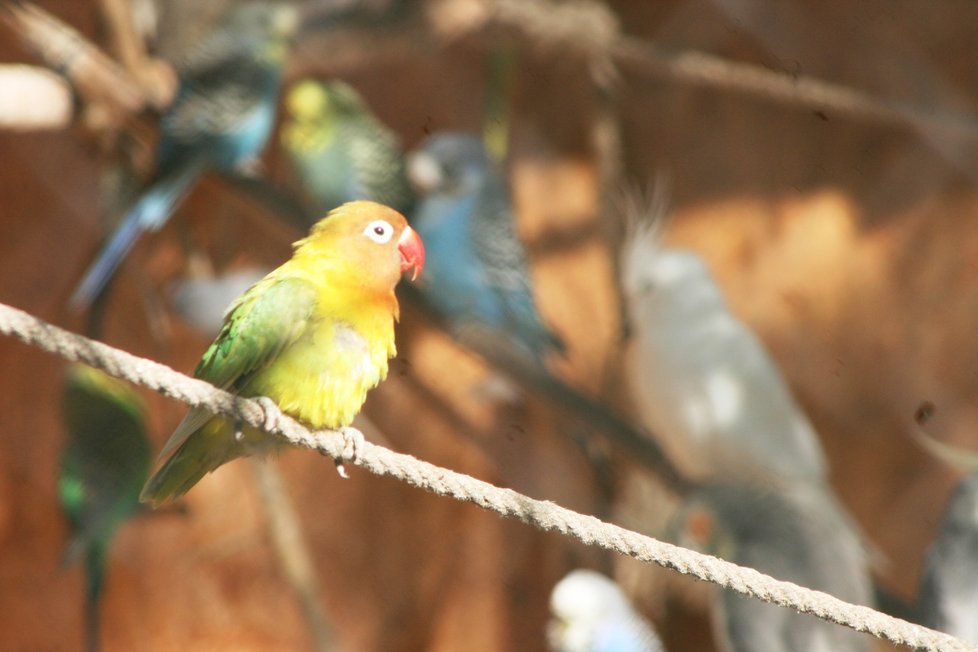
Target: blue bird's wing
(149, 213)
(498, 247)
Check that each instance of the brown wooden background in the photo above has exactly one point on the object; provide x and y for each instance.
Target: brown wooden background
(850, 246)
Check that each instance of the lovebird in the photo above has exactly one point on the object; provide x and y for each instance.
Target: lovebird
(700, 378)
(948, 595)
(103, 466)
(340, 150)
(220, 119)
(592, 614)
(793, 532)
(313, 336)
(477, 277)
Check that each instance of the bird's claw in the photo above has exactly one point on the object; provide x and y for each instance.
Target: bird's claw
(270, 413)
(353, 443)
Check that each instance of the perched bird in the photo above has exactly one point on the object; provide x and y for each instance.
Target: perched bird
(203, 301)
(340, 150)
(104, 464)
(591, 614)
(477, 277)
(700, 378)
(792, 532)
(704, 383)
(221, 118)
(948, 596)
(313, 336)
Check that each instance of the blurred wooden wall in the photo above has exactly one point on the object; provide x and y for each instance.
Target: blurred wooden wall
(850, 246)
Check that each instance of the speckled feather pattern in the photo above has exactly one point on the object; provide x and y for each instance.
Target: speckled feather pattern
(340, 150)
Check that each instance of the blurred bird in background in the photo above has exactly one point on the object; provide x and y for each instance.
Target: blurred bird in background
(340, 150)
(314, 336)
(792, 532)
(703, 382)
(221, 118)
(477, 278)
(103, 466)
(948, 596)
(700, 378)
(203, 300)
(591, 614)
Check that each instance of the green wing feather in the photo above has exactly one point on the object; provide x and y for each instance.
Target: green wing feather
(267, 318)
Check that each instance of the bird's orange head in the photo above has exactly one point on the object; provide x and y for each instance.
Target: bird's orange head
(373, 242)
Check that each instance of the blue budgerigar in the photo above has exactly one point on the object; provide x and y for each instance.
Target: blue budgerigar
(476, 274)
(221, 118)
(103, 467)
(592, 614)
(340, 151)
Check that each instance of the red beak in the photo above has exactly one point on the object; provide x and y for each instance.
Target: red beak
(412, 252)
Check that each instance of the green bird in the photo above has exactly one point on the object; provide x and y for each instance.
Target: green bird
(103, 467)
(340, 151)
(314, 336)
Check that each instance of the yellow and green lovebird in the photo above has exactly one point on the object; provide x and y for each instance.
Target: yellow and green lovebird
(313, 336)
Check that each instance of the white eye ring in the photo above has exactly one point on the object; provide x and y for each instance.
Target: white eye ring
(380, 231)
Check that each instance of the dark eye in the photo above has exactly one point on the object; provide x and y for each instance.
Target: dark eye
(380, 231)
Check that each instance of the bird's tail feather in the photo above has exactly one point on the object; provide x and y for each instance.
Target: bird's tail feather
(94, 582)
(149, 213)
(95, 570)
(204, 451)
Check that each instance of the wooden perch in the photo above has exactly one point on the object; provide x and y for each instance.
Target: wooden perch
(33, 99)
(155, 77)
(106, 87)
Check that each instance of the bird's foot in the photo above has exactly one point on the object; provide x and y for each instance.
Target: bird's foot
(271, 413)
(353, 442)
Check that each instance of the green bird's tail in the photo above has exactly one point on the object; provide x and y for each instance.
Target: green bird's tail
(203, 451)
(94, 582)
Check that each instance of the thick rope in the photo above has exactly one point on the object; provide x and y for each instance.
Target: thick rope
(544, 515)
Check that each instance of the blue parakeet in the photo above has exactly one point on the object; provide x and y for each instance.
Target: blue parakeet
(793, 532)
(221, 118)
(591, 614)
(103, 467)
(476, 277)
(948, 597)
(340, 151)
